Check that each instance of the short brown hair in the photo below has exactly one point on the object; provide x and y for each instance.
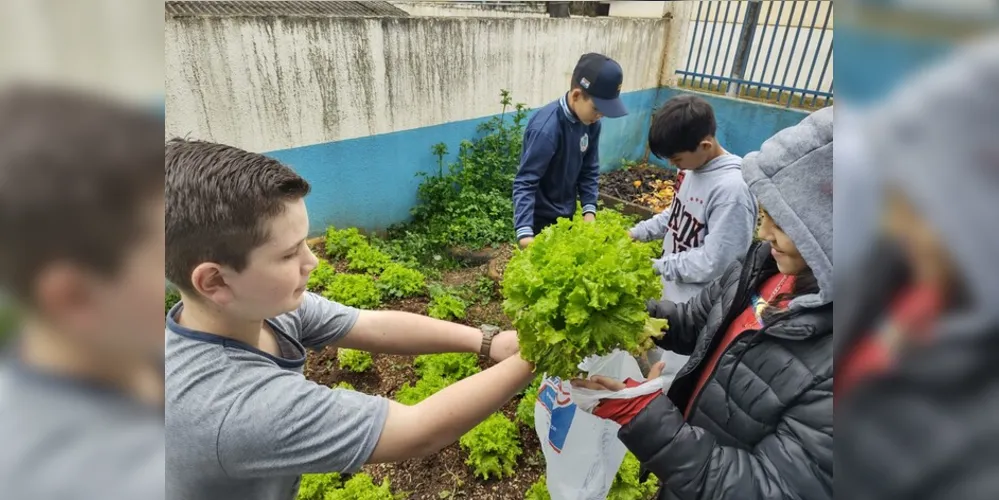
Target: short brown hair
(218, 200)
(75, 171)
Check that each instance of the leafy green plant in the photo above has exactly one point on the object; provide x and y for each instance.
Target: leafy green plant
(355, 290)
(344, 385)
(451, 366)
(626, 485)
(354, 360)
(172, 298)
(341, 241)
(423, 388)
(485, 289)
(321, 276)
(368, 259)
(493, 447)
(580, 289)
(525, 408)
(446, 304)
(627, 164)
(400, 282)
(315, 486)
(467, 203)
(363, 487)
(538, 491)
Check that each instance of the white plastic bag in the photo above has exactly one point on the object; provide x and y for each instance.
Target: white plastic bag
(588, 399)
(582, 452)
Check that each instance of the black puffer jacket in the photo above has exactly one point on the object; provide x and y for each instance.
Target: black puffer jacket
(762, 427)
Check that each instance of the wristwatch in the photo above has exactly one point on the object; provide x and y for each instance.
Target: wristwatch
(488, 332)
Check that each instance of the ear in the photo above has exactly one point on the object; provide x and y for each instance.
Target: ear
(706, 145)
(208, 279)
(575, 94)
(66, 295)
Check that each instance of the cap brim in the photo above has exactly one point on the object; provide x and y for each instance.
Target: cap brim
(611, 108)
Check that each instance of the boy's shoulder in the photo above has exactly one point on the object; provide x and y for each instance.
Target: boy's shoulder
(545, 119)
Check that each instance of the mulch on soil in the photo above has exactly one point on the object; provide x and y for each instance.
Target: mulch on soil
(621, 183)
(443, 475)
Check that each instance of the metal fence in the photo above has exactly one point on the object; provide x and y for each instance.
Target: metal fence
(772, 51)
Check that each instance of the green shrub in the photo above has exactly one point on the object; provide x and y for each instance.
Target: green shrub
(485, 289)
(368, 259)
(321, 276)
(445, 304)
(467, 203)
(354, 360)
(493, 447)
(451, 366)
(538, 491)
(400, 282)
(315, 486)
(362, 487)
(172, 298)
(355, 290)
(339, 242)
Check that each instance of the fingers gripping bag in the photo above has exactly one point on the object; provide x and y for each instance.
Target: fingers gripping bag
(582, 451)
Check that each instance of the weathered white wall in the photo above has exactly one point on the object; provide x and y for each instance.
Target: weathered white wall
(271, 83)
(108, 46)
(637, 9)
(450, 9)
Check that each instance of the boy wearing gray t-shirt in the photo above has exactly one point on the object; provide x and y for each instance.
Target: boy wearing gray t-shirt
(242, 421)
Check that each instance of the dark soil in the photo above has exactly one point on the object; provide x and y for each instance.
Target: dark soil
(443, 475)
(621, 183)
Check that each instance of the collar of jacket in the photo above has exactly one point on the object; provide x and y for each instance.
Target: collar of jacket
(798, 325)
(569, 113)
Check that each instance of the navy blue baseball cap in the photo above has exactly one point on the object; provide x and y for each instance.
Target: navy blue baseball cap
(601, 77)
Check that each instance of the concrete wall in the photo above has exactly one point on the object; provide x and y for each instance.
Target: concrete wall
(107, 46)
(355, 105)
(468, 9)
(637, 9)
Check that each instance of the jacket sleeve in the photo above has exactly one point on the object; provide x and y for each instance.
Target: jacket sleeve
(730, 235)
(793, 462)
(588, 185)
(538, 151)
(652, 229)
(686, 320)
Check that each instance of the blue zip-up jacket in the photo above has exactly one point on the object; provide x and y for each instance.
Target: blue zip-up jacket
(559, 164)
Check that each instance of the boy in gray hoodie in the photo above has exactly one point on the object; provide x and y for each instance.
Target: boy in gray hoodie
(710, 224)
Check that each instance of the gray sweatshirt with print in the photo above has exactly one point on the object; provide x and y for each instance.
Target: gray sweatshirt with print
(709, 226)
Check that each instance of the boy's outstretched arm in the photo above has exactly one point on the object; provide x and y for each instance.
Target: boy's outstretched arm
(729, 238)
(396, 332)
(438, 421)
(539, 148)
(653, 229)
(588, 185)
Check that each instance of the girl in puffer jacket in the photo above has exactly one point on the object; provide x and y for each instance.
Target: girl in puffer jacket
(750, 416)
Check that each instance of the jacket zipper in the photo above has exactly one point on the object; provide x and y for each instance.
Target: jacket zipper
(743, 300)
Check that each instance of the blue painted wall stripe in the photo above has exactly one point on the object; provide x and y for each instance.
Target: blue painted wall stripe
(370, 182)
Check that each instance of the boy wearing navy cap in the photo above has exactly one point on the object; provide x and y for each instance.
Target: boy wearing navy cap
(560, 162)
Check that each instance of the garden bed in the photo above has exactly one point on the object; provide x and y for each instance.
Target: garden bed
(443, 475)
(621, 183)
